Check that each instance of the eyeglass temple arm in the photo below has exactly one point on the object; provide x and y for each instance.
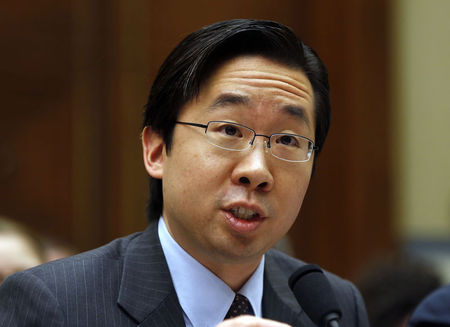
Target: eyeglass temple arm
(191, 124)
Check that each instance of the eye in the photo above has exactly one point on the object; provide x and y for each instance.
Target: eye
(287, 140)
(231, 130)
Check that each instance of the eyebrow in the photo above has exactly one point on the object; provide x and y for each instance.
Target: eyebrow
(298, 112)
(227, 99)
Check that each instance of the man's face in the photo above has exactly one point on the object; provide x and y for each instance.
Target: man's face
(205, 187)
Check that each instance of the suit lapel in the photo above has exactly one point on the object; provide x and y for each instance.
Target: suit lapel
(148, 296)
(146, 291)
(279, 303)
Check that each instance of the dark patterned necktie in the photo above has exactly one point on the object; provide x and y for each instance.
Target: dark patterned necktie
(240, 306)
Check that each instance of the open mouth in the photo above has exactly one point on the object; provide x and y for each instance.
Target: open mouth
(244, 220)
(244, 213)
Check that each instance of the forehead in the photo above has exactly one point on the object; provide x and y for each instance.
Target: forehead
(261, 84)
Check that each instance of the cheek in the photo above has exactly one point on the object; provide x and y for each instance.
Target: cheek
(194, 174)
(293, 192)
(211, 164)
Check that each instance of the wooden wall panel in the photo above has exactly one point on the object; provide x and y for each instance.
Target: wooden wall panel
(75, 80)
(90, 91)
(35, 121)
(347, 216)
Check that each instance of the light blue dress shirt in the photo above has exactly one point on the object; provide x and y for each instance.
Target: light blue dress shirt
(204, 298)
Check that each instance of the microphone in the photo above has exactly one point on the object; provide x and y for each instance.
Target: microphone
(315, 295)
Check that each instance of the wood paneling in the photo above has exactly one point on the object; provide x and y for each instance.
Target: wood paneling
(346, 218)
(75, 76)
(35, 121)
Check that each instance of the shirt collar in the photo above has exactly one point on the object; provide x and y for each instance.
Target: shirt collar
(205, 298)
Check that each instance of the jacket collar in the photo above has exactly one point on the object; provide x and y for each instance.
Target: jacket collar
(279, 302)
(146, 291)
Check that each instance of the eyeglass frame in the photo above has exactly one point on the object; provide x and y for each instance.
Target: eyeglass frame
(313, 147)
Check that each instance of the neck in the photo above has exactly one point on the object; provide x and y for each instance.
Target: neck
(235, 275)
(234, 270)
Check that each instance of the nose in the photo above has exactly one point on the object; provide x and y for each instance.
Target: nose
(252, 170)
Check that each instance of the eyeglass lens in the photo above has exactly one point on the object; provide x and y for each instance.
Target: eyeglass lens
(236, 137)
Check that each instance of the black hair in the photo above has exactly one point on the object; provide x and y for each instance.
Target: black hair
(197, 56)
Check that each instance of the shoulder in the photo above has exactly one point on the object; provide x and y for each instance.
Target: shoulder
(348, 296)
(434, 310)
(288, 265)
(99, 260)
(46, 294)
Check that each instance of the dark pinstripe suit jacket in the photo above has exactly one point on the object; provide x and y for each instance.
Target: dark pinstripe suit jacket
(127, 283)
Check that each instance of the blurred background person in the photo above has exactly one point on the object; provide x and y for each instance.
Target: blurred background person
(393, 286)
(19, 248)
(434, 311)
(22, 248)
(55, 249)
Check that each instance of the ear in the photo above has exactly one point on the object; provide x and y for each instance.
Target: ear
(154, 150)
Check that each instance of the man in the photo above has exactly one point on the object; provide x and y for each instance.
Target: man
(234, 120)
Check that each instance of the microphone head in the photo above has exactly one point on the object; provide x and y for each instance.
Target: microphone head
(315, 295)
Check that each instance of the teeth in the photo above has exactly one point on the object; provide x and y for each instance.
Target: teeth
(243, 213)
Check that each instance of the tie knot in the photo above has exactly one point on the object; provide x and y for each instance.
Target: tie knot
(240, 306)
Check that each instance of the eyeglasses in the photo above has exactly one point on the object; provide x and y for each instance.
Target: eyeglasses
(237, 137)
